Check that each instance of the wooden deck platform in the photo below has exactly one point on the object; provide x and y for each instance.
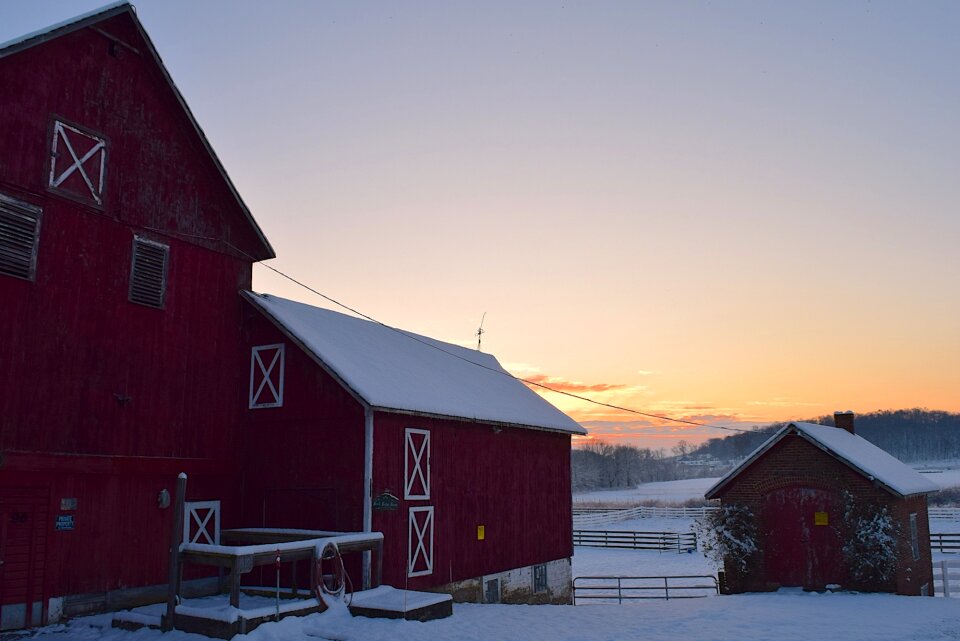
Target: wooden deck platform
(214, 616)
(386, 602)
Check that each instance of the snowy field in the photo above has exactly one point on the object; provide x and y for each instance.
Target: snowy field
(783, 616)
(665, 491)
(942, 477)
(789, 615)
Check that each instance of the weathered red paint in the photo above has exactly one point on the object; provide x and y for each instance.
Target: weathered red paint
(799, 551)
(303, 462)
(103, 400)
(515, 482)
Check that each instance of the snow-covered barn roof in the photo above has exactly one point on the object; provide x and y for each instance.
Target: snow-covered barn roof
(855, 451)
(90, 18)
(395, 370)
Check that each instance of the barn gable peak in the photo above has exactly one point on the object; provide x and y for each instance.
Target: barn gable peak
(258, 247)
(397, 371)
(854, 451)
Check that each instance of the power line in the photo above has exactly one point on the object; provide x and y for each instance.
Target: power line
(449, 353)
(491, 369)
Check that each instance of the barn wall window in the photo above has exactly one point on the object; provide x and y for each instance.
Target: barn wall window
(148, 272)
(266, 376)
(914, 537)
(78, 163)
(491, 590)
(19, 237)
(540, 578)
(416, 465)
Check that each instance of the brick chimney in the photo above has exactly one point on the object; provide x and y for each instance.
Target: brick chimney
(844, 420)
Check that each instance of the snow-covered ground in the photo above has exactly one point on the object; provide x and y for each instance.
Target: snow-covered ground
(666, 491)
(787, 615)
(615, 562)
(942, 476)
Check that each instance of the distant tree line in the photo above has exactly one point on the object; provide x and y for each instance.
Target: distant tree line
(600, 465)
(913, 435)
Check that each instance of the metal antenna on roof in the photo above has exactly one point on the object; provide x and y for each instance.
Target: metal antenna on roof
(481, 331)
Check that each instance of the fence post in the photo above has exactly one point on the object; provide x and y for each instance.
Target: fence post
(666, 588)
(176, 537)
(619, 592)
(946, 578)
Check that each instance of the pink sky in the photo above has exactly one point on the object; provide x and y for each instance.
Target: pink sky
(730, 212)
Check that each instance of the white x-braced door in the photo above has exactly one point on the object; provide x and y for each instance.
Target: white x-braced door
(266, 376)
(420, 541)
(416, 487)
(417, 465)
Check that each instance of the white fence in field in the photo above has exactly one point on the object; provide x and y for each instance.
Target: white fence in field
(946, 579)
(946, 513)
(588, 516)
(599, 516)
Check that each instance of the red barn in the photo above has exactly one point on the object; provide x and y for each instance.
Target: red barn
(126, 348)
(123, 245)
(464, 469)
(827, 507)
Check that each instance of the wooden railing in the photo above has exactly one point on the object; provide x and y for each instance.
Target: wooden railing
(661, 541)
(945, 542)
(607, 589)
(598, 516)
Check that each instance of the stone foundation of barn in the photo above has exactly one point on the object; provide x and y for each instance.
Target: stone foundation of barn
(544, 583)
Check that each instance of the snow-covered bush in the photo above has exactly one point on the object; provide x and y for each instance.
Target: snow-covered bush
(870, 546)
(730, 534)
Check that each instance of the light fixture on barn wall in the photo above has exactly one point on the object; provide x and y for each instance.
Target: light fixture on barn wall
(497, 430)
(163, 499)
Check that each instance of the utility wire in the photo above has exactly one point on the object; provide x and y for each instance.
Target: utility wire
(447, 352)
(491, 369)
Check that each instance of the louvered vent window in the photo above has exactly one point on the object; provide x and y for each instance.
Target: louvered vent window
(19, 237)
(148, 273)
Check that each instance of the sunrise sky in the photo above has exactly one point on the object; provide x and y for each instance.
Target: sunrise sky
(733, 213)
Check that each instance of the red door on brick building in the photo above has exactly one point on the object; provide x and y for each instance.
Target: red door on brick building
(801, 537)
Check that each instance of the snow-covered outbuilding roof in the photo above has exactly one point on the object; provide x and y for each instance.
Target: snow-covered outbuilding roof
(395, 370)
(855, 451)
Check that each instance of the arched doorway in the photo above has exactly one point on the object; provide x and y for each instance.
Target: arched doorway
(801, 537)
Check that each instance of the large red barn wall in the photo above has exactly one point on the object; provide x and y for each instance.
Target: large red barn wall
(794, 461)
(121, 537)
(515, 482)
(84, 370)
(303, 462)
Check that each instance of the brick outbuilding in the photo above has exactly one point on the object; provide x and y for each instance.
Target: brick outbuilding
(822, 501)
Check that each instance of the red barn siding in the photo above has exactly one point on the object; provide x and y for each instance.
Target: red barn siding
(514, 482)
(104, 400)
(158, 173)
(303, 462)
